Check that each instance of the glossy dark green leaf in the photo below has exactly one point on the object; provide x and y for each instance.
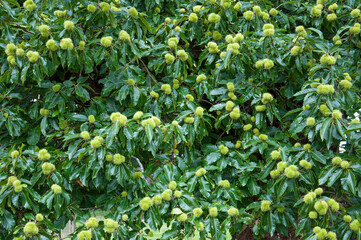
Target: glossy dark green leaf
(7, 220)
(324, 128)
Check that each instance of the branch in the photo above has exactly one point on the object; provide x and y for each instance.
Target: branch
(148, 180)
(204, 100)
(293, 43)
(150, 85)
(19, 26)
(139, 163)
(125, 67)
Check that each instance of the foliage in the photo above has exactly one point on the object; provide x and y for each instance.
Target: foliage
(205, 115)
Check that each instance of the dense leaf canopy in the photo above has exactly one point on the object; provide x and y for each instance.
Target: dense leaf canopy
(208, 116)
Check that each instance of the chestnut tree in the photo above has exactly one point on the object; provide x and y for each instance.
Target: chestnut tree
(211, 117)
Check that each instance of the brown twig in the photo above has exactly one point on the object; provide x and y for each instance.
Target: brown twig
(21, 27)
(294, 43)
(146, 68)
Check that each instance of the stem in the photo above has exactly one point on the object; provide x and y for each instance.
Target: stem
(141, 168)
(146, 68)
(293, 44)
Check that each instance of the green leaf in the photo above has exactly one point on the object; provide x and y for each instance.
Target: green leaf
(318, 157)
(204, 188)
(169, 234)
(271, 223)
(353, 127)
(301, 226)
(176, 211)
(351, 182)
(82, 92)
(289, 2)
(314, 69)
(192, 184)
(113, 21)
(215, 227)
(24, 73)
(322, 179)
(146, 24)
(112, 133)
(79, 117)
(149, 132)
(44, 125)
(33, 136)
(13, 2)
(218, 91)
(253, 187)
(334, 177)
(340, 129)
(325, 126)
(7, 220)
(212, 157)
(307, 90)
(282, 187)
(136, 95)
(227, 57)
(217, 107)
(320, 34)
(57, 206)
